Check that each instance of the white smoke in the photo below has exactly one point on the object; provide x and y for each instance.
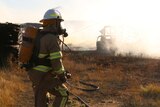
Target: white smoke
(139, 41)
(127, 39)
(136, 23)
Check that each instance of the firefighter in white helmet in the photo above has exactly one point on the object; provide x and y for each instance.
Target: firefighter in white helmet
(49, 74)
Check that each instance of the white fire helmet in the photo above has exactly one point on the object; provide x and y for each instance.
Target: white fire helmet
(52, 14)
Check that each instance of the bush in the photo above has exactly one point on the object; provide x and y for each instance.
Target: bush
(150, 91)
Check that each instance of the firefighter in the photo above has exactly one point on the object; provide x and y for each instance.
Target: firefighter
(49, 74)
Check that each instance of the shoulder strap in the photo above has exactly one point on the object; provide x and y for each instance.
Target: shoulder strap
(36, 48)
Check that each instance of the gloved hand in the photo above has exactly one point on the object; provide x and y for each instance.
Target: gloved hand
(68, 75)
(62, 77)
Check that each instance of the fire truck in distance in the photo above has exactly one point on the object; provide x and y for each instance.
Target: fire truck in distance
(105, 42)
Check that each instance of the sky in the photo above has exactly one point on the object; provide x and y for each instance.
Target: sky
(135, 22)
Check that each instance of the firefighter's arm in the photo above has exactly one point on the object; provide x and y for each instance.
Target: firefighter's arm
(56, 60)
(59, 70)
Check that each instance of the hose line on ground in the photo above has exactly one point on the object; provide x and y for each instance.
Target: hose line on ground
(94, 88)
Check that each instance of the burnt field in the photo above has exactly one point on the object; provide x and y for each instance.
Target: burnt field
(124, 81)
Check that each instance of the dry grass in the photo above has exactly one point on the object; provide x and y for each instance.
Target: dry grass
(10, 85)
(151, 91)
(119, 78)
(131, 81)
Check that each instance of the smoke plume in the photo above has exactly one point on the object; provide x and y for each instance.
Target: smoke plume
(138, 40)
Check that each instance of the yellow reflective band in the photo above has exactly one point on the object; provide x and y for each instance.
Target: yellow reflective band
(63, 102)
(64, 95)
(62, 91)
(42, 68)
(54, 14)
(55, 55)
(60, 71)
(42, 55)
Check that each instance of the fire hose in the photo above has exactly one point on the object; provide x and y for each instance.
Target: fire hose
(93, 87)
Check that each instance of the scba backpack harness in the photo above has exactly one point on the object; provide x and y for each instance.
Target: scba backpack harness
(27, 53)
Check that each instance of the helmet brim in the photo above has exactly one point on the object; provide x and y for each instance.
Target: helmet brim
(49, 19)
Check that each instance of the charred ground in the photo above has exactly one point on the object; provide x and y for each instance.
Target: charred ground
(123, 80)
